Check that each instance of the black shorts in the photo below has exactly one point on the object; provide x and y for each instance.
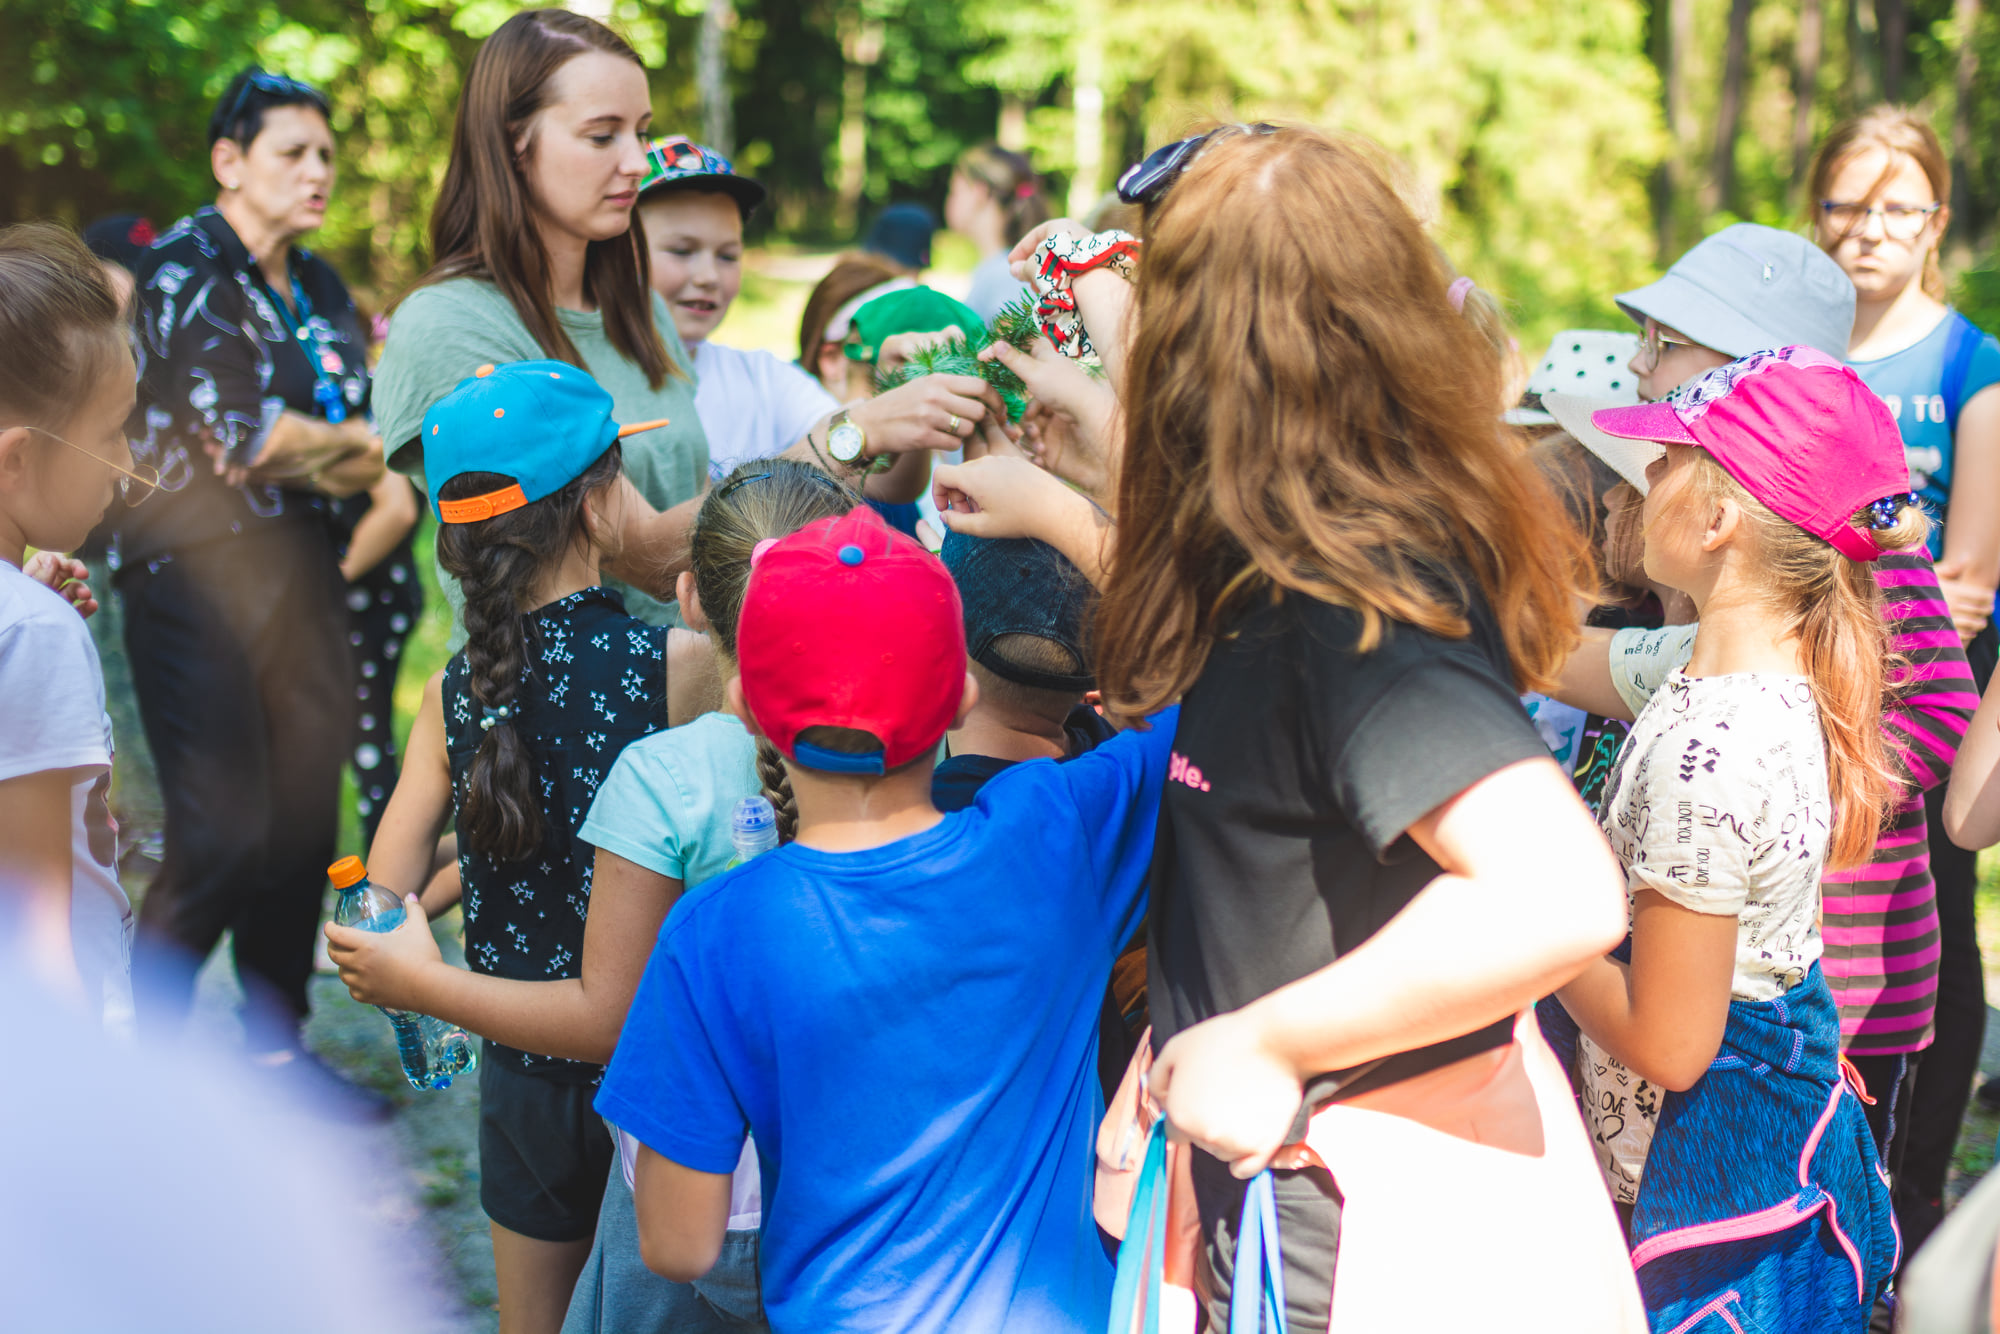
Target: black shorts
(543, 1153)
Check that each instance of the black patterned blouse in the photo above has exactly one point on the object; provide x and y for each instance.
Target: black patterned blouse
(596, 681)
(220, 357)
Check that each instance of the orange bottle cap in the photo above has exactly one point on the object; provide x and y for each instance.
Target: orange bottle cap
(346, 872)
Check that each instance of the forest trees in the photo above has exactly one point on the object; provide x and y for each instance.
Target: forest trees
(1562, 149)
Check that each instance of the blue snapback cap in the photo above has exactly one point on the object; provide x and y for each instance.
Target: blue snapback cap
(542, 423)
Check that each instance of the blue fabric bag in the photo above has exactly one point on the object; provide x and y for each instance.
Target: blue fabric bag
(1257, 1299)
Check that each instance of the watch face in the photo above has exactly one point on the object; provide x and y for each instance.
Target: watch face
(845, 442)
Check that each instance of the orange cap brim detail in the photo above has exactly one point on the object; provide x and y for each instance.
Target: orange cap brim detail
(637, 427)
(473, 509)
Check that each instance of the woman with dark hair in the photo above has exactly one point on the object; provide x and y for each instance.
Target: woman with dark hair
(253, 405)
(536, 253)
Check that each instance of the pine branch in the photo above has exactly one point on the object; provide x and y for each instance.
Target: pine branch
(960, 356)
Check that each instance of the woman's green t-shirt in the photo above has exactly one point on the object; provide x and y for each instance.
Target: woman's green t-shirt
(442, 333)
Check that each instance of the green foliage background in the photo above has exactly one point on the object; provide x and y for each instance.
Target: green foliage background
(1531, 131)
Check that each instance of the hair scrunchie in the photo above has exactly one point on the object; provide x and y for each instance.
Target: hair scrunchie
(1058, 260)
(1460, 289)
(1888, 511)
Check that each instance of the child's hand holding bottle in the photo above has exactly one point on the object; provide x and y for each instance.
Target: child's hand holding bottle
(386, 968)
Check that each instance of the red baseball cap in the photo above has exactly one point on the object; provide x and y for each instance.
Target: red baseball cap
(1799, 430)
(848, 623)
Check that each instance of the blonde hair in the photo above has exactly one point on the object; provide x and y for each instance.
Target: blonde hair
(765, 498)
(1902, 134)
(1833, 607)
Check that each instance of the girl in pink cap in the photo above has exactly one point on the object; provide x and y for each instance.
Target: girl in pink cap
(1754, 763)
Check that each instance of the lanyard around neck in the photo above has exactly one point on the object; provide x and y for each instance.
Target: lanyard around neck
(326, 390)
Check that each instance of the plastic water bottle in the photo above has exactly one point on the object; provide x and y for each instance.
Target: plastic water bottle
(433, 1052)
(753, 829)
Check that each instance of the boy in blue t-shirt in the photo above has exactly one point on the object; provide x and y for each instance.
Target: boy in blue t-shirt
(901, 1006)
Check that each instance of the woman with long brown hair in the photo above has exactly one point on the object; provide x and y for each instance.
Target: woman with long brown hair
(537, 253)
(1328, 551)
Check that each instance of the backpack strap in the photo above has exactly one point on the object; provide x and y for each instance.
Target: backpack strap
(1959, 345)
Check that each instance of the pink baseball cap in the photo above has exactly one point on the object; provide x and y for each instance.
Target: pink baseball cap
(1798, 429)
(848, 623)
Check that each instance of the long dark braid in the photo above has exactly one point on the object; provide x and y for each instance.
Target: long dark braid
(764, 499)
(497, 563)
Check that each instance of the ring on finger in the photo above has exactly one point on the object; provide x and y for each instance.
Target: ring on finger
(951, 427)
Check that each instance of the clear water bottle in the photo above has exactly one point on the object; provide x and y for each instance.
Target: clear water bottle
(753, 829)
(433, 1052)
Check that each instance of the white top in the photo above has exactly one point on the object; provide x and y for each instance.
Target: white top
(993, 286)
(753, 405)
(1719, 803)
(55, 719)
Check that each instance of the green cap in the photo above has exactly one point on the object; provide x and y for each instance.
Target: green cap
(912, 310)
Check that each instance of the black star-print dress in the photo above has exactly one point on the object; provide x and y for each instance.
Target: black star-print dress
(595, 682)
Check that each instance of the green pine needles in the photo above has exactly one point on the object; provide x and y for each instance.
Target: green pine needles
(1014, 324)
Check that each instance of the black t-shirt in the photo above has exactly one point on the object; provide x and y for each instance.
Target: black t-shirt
(1299, 766)
(218, 355)
(595, 681)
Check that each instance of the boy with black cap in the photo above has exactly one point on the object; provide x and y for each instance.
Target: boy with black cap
(1027, 611)
(915, 1074)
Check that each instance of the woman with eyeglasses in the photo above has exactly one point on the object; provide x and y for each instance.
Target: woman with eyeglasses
(1879, 186)
(253, 406)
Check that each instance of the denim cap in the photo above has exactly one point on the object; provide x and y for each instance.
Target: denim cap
(1019, 586)
(1752, 289)
(542, 423)
(903, 233)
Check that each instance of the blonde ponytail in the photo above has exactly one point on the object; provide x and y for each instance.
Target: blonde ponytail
(1833, 606)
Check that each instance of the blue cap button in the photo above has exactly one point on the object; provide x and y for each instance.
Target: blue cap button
(852, 555)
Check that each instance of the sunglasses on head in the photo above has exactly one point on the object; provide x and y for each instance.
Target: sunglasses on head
(1144, 182)
(277, 85)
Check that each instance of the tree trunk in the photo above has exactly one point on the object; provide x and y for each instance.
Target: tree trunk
(1966, 224)
(1087, 101)
(1892, 30)
(1720, 191)
(1805, 88)
(1675, 44)
(1859, 88)
(860, 47)
(711, 77)
(1012, 132)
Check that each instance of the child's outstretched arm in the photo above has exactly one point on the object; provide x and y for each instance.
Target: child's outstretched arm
(1586, 682)
(1972, 802)
(1011, 497)
(683, 1216)
(578, 1017)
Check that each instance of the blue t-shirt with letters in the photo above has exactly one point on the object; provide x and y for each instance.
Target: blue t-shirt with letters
(910, 1034)
(1913, 385)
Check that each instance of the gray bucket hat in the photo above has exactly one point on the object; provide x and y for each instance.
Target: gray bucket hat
(1751, 289)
